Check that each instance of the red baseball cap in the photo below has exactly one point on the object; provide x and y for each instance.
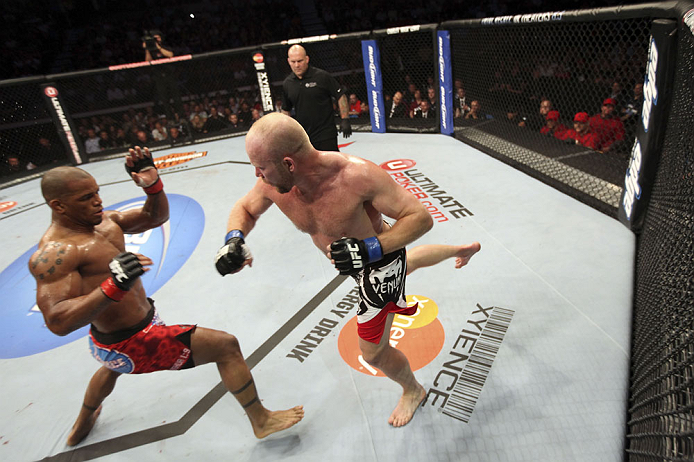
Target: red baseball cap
(552, 115)
(609, 101)
(581, 117)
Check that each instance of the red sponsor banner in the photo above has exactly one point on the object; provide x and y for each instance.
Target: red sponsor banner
(6, 205)
(170, 160)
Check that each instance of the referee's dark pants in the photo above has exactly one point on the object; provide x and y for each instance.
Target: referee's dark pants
(326, 145)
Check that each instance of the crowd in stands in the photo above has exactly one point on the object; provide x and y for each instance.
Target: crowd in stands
(201, 118)
(40, 37)
(108, 36)
(611, 128)
(198, 118)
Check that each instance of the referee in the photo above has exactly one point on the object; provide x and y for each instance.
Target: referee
(309, 91)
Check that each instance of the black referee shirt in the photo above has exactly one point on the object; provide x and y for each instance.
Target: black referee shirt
(311, 97)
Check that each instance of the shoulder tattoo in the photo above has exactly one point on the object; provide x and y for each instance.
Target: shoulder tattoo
(49, 258)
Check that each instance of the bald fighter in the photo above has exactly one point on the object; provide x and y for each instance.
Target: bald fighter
(84, 276)
(340, 201)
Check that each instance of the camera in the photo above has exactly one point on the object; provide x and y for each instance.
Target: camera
(149, 40)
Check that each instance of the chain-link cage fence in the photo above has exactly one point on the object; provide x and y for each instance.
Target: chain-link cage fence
(410, 87)
(661, 404)
(557, 100)
(28, 136)
(341, 57)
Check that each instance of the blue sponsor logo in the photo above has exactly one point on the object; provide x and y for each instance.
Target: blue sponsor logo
(374, 84)
(650, 87)
(23, 332)
(114, 360)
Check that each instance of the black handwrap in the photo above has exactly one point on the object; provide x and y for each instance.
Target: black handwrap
(140, 165)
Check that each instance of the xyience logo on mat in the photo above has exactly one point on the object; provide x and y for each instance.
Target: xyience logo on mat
(23, 332)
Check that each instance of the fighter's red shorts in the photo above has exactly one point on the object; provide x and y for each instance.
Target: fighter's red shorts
(382, 291)
(148, 346)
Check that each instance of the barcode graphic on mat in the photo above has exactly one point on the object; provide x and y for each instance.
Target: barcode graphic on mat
(463, 398)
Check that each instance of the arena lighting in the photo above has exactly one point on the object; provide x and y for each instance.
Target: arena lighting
(192, 16)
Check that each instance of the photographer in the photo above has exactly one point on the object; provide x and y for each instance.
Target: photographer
(165, 84)
(154, 47)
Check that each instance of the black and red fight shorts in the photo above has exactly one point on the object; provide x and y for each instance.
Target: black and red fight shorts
(381, 292)
(148, 346)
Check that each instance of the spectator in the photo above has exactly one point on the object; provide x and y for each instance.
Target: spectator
(127, 122)
(10, 164)
(214, 122)
(121, 139)
(461, 103)
(245, 114)
(175, 135)
(105, 141)
(198, 123)
(235, 124)
(199, 111)
(581, 133)
(364, 109)
(433, 101)
(513, 116)
(554, 127)
(415, 103)
(354, 105)
(618, 94)
(233, 105)
(159, 132)
(142, 138)
(408, 95)
(396, 109)
(631, 113)
(475, 111)
(47, 152)
(424, 111)
(91, 144)
(539, 120)
(255, 116)
(607, 126)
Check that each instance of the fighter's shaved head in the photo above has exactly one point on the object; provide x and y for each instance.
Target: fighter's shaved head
(275, 136)
(55, 181)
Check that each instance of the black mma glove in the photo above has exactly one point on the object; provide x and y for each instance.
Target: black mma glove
(346, 128)
(139, 165)
(233, 254)
(125, 269)
(145, 163)
(352, 255)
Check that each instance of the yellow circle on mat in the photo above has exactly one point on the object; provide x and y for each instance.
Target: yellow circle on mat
(427, 311)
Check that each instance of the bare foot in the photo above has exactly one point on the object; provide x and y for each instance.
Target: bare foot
(279, 420)
(81, 428)
(465, 253)
(407, 406)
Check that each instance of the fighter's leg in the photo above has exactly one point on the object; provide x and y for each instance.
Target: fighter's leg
(432, 254)
(210, 345)
(100, 386)
(394, 364)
